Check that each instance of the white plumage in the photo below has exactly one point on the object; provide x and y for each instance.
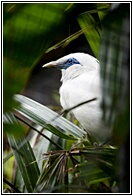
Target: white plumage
(80, 83)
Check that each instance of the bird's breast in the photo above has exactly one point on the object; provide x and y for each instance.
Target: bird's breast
(80, 89)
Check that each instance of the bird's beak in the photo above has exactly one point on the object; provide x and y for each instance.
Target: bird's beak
(51, 64)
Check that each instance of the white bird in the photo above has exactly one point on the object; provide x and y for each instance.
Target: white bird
(80, 83)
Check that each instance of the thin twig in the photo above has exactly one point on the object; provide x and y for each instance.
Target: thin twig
(68, 110)
(12, 186)
(38, 131)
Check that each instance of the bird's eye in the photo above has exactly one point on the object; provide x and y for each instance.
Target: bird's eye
(69, 61)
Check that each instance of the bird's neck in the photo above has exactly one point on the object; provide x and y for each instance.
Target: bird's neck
(71, 73)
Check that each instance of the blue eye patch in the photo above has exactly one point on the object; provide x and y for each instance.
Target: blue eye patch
(68, 63)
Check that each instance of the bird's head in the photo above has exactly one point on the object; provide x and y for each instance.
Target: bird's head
(74, 64)
(64, 62)
(78, 59)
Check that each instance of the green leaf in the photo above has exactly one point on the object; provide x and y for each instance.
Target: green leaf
(25, 160)
(43, 116)
(27, 33)
(37, 142)
(90, 172)
(91, 30)
(30, 25)
(107, 154)
(53, 175)
(60, 133)
(11, 126)
(90, 25)
(7, 157)
(99, 166)
(93, 177)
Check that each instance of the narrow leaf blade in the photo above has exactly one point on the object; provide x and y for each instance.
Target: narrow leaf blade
(43, 116)
(25, 160)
